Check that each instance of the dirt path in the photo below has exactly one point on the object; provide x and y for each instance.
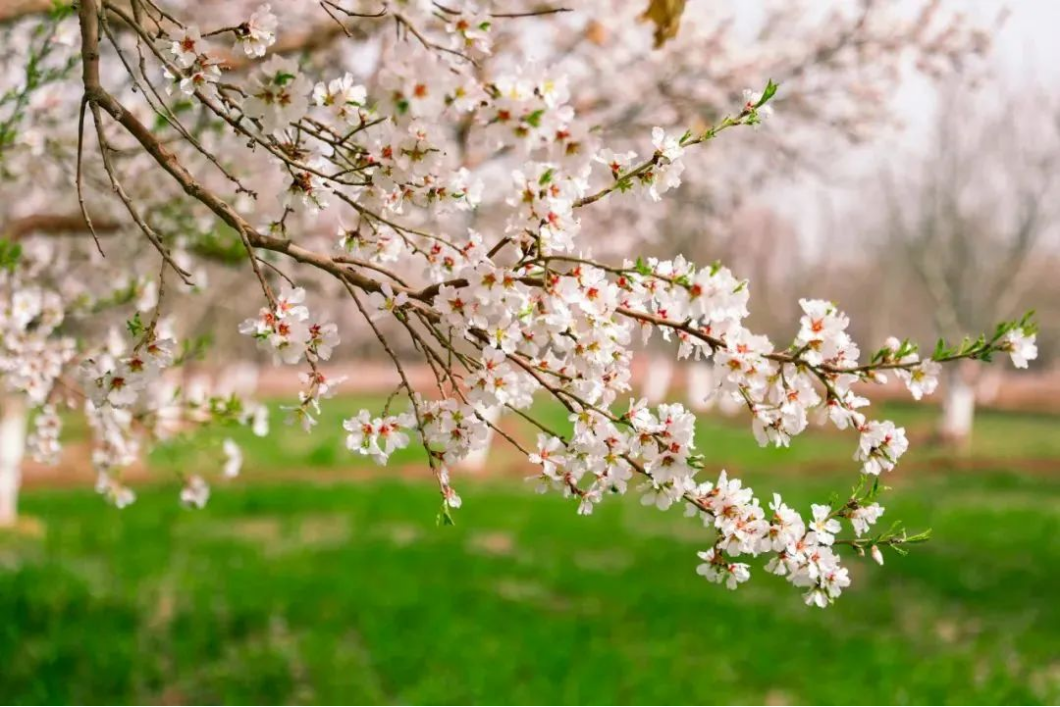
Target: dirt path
(76, 471)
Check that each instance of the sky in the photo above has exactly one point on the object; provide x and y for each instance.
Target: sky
(1026, 51)
(1026, 55)
(1028, 44)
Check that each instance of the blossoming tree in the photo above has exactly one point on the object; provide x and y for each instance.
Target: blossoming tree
(215, 145)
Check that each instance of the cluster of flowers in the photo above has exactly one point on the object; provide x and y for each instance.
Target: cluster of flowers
(802, 552)
(449, 431)
(199, 68)
(378, 437)
(33, 352)
(124, 388)
(448, 428)
(531, 320)
(286, 330)
(129, 399)
(43, 443)
(400, 155)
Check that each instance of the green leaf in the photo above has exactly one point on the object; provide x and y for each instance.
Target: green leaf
(10, 253)
(60, 10)
(1027, 323)
(922, 537)
(940, 349)
(444, 516)
(135, 326)
(768, 93)
(534, 119)
(193, 349)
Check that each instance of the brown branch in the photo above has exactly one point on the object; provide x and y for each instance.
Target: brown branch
(317, 37)
(403, 21)
(77, 178)
(351, 13)
(54, 225)
(13, 10)
(532, 13)
(119, 190)
(97, 96)
(527, 13)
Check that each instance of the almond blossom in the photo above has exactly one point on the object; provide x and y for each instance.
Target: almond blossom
(258, 33)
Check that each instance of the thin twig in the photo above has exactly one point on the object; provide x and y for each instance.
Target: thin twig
(80, 190)
(156, 241)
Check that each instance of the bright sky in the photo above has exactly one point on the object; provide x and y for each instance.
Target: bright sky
(1026, 55)
(1028, 44)
(1026, 51)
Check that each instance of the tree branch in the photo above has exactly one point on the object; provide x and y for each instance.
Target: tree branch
(54, 225)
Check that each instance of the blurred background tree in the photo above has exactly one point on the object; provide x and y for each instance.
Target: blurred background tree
(974, 219)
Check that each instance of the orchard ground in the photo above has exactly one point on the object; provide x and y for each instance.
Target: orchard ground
(316, 577)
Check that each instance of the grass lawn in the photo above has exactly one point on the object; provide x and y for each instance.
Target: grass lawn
(727, 442)
(326, 591)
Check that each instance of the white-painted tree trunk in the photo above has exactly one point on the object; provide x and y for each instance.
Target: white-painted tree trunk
(730, 406)
(657, 379)
(700, 386)
(988, 386)
(475, 462)
(12, 446)
(958, 409)
(239, 379)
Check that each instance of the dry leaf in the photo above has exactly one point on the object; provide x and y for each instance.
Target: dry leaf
(666, 15)
(596, 33)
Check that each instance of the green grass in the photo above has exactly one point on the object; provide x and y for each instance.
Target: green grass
(348, 592)
(726, 442)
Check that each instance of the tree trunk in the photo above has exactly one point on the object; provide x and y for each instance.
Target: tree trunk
(657, 379)
(958, 409)
(239, 379)
(700, 386)
(12, 446)
(475, 462)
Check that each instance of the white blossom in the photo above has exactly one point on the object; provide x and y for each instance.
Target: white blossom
(233, 459)
(196, 492)
(259, 33)
(1020, 346)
